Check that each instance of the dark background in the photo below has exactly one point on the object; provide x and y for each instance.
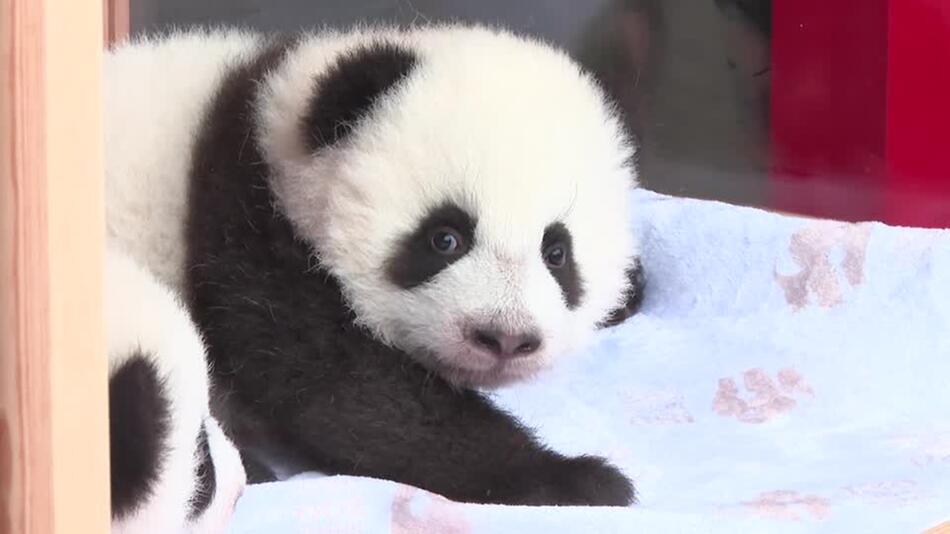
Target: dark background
(691, 75)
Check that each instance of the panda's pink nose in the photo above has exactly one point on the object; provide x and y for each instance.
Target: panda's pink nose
(505, 345)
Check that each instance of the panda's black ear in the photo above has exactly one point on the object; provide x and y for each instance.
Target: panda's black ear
(348, 90)
(631, 306)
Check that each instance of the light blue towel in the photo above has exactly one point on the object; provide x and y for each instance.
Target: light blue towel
(785, 375)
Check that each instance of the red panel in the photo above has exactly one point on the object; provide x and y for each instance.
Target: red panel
(829, 71)
(918, 113)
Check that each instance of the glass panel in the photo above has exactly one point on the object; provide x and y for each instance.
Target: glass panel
(822, 107)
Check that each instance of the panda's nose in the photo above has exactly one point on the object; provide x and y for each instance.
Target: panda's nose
(505, 345)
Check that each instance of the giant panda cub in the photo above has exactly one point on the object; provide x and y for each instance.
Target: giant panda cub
(369, 229)
(172, 468)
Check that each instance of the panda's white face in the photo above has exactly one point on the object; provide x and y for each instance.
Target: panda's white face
(477, 216)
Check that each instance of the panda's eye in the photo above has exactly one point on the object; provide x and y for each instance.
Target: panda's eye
(555, 256)
(447, 241)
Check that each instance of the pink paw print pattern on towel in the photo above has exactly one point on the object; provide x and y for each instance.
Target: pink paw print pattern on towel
(818, 280)
(763, 399)
(789, 505)
(415, 511)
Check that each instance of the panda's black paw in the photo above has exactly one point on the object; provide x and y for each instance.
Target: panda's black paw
(581, 481)
(634, 296)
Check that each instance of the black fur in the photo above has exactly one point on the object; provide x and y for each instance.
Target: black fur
(415, 262)
(637, 281)
(138, 429)
(294, 373)
(256, 468)
(205, 477)
(568, 276)
(348, 90)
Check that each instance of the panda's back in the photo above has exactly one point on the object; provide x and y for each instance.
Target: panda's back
(156, 93)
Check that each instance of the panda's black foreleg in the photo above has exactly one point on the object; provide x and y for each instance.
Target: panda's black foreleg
(389, 418)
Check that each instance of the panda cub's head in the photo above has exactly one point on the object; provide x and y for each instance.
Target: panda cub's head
(467, 187)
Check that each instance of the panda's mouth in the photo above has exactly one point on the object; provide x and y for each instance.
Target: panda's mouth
(474, 369)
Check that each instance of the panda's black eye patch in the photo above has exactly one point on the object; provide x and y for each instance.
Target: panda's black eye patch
(442, 237)
(557, 252)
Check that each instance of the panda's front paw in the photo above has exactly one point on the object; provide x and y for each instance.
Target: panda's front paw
(581, 481)
(637, 281)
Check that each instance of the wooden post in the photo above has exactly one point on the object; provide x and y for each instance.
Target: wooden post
(54, 447)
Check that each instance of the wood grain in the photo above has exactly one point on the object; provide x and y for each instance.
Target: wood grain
(24, 304)
(53, 392)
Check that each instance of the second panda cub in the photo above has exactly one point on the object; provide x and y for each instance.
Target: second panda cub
(368, 227)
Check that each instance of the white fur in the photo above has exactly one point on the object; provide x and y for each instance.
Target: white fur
(142, 317)
(156, 91)
(507, 127)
